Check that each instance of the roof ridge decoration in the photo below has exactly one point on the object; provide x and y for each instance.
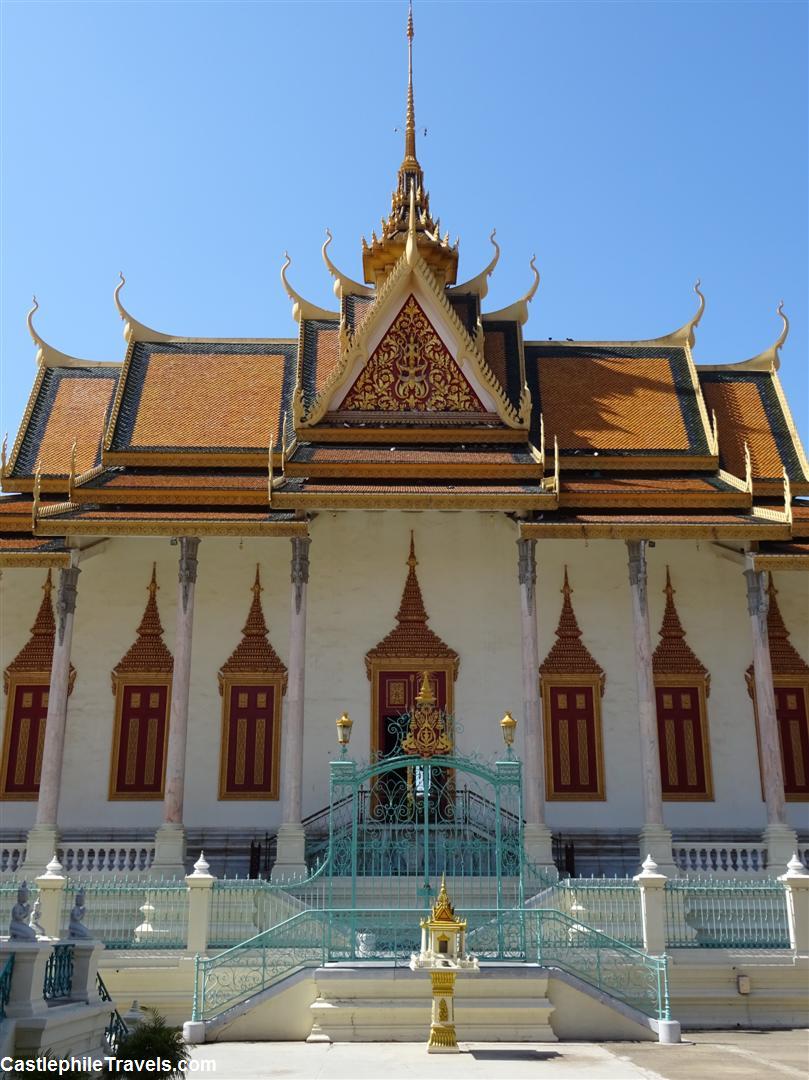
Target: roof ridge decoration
(149, 654)
(673, 655)
(411, 263)
(686, 334)
(518, 311)
(134, 330)
(343, 285)
(568, 654)
(301, 308)
(784, 657)
(479, 284)
(768, 359)
(254, 654)
(37, 653)
(48, 357)
(412, 638)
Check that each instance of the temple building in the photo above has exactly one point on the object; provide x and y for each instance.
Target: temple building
(212, 549)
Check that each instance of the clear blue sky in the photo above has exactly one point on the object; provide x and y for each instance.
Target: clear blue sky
(632, 146)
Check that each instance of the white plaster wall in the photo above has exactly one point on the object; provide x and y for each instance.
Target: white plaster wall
(467, 570)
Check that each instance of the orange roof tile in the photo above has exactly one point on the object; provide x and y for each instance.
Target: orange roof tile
(412, 638)
(67, 404)
(673, 655)
(209, 401)
(254, 653)
(612, 403)
(568, 654)
(741, 418)
(149, 654)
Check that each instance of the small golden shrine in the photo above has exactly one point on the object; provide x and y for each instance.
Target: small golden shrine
(442, 954)
(427, 734)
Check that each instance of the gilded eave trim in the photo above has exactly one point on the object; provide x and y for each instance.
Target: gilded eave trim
(177, 458)
(487, 434)
(180, 496)
(26, 419)
(775, 563)
(639, 462)
(24, 560)
(653, 530)
(409, 501)
(414, 471)
(61, 527)
(655, 499)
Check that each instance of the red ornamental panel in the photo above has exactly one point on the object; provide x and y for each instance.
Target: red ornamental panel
(681, 739)
(793, 728)
(250, 743)
(25, 740)
(396, 695)
(574, 749)
(139, 763)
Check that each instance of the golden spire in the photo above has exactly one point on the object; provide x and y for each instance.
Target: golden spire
(410, 123)
(379, 257)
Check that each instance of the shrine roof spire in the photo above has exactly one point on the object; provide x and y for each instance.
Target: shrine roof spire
(410, 159)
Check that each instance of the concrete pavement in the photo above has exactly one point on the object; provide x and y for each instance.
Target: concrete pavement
(734, 1055)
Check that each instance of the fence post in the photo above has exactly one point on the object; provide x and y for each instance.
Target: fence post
(796, 887)
(51, 887)
(199, 885)
(652, 885)
(27, 976)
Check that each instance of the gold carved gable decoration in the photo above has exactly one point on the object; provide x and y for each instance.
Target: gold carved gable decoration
(36, 656)
(149, 655)
(412, 370)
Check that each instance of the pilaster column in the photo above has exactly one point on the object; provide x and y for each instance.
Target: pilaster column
(290, 860)
(655, 838)
(538, 843)
(780, 839)
(170, 837)
(44, 836)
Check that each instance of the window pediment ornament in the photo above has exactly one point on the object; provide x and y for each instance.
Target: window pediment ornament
(568, 654)
(412, 638)
(36, 656)
(149, 655)
(673, 655)
(254, 655)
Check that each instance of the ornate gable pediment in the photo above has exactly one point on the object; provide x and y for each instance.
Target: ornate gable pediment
(412, 370)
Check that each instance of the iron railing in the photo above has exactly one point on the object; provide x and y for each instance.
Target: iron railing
(127, 914)
(311, 938)
(117, 1028)
(5, 985)
(58, 982)
(611, 905)
(726, 914)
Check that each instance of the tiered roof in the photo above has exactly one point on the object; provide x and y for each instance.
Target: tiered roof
(408, 395)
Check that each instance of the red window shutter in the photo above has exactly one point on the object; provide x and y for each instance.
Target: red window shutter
(680, 736)
(574, 741)
(26, 739)
(250, 740)
(793, 730)
(140, 763)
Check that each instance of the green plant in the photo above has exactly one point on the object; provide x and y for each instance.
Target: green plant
(153, 1040)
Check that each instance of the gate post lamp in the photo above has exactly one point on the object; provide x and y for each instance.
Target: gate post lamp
(344, 725)
(508, 726)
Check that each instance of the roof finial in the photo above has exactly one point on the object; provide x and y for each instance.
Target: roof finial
(412, 561)
(410, 124)
(257, 588)
(153, 586)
